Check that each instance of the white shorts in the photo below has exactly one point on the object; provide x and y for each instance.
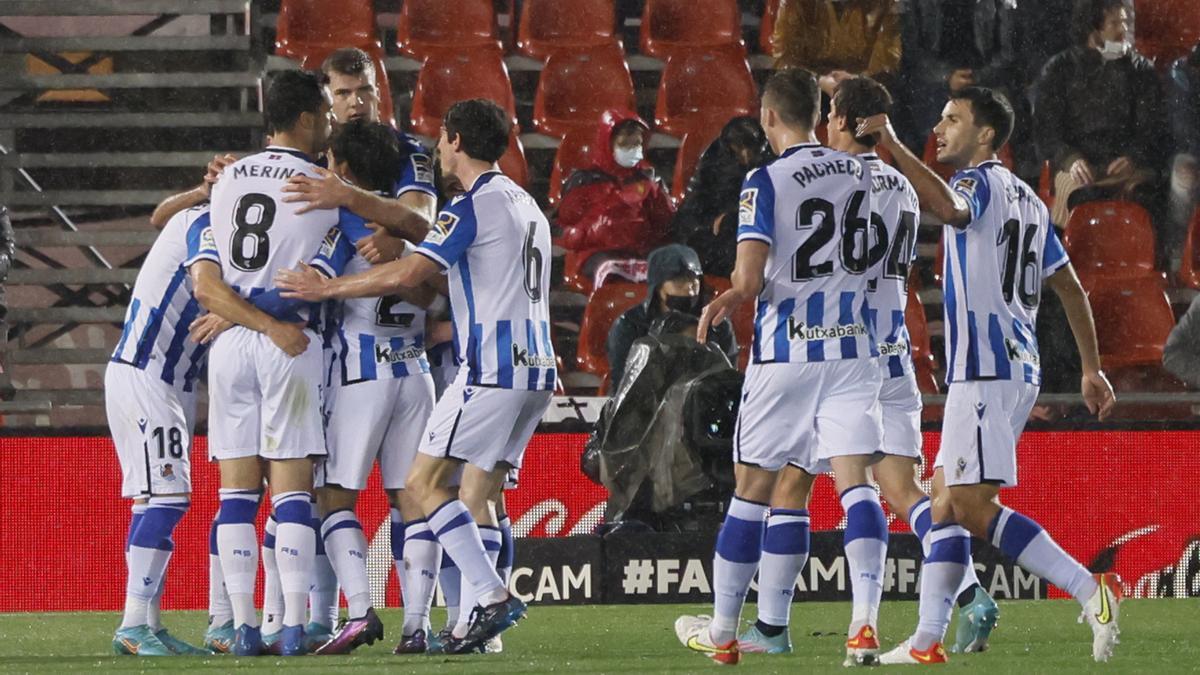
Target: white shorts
(151, 424)
(375, 420)
(262, 402)
(980, 428)
(805, 413)
(900, 403)
(484, 426)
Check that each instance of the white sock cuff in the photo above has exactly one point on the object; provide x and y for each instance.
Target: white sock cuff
(937, 534)
(139, 508)
(786, 519)
(338, 520)
(178, 503)
(747, 510)
(859, 494)
(295, 495)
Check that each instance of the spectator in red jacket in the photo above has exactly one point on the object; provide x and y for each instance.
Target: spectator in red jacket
(617, 206)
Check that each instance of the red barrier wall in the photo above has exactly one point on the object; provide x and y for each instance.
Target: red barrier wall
(1125, 499)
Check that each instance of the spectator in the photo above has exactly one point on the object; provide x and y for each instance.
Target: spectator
(7, 252)
(616, 206)
(858, 36)
(707, 218)
(1183, 103)
(674, 278)
(949, 45)
(1098, 112)
(1181, 354)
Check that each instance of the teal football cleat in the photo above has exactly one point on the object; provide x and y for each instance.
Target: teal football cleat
(179, 647)
(975, 623)
(270, 643)
(753, 641)
(138, 641)
(219, 639)
(316, 634)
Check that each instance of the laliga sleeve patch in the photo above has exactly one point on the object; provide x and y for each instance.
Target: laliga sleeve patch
(422, 168)
(329, 244)
(747, 206)
(442, 227)
(207, 241)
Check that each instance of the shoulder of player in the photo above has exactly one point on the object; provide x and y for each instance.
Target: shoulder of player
(409, 144)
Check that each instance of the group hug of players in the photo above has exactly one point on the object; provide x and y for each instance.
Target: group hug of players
(307, 281)
(297, 286)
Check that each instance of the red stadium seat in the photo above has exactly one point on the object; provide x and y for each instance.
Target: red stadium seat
(550, 25)
(669, 26)
(603, 308)
(766, 30)
(573, 153)
(1167, 29)
(1046, 185)
(1110, 239)
(305, 26)
(427, 25)
(447, 77)
(691, 146)
(929, 157)
(573, 277)
(1189, 269)
(513, 162)
(700, 87)
(314, 58)
(577, 86)
(1133, 319)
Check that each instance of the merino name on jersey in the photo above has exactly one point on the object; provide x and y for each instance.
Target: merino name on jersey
(495, 242)
(993, 272)
(812, 206)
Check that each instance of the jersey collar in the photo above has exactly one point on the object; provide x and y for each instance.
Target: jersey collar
(290, 151)
(990, 162)
(483, 179)
(791, 150)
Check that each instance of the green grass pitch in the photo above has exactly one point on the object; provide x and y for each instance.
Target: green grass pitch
(1033, 637)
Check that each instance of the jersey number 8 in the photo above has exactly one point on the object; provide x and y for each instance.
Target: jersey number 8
(252, 217)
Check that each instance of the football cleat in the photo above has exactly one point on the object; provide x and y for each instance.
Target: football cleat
(219, 639)
(692, 632)
(487, 623)
(316, 634)
(354, 633)
(493, 646)
(248, 641)
(291, 641)
(862, 648)
(1101, 612)
(179, 647)
(138, 641)
(413, 644)
(270, 643)
(753, 641)
(905, 655)
(437, 641)
(975, 623)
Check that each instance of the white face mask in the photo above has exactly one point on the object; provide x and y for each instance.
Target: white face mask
(1112, 51)
(628, 157)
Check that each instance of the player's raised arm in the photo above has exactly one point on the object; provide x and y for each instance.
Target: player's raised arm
(189, 198)
(306, 283)
(407, 216)
(935, 194)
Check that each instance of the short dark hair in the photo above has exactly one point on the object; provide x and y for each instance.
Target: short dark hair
(483, 127)
(990, 108)
(793, 94)
(291, 93)
(347, 61)
(1089, 16)
(371, 151)
(858, 98)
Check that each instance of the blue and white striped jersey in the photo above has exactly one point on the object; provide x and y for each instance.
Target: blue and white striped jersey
(371, 338)
(813, 207)
(495, 242)
(154, 337)
(895, 214)
(256, 232)
(415, 173)
(994, 267)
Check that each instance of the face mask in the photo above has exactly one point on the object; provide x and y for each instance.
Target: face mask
(1113, 50)
(628, 157)
(684, 304)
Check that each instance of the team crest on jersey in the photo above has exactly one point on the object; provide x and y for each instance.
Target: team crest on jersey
(442, 228)
(422, 168)
(167, 472)
(746, 207)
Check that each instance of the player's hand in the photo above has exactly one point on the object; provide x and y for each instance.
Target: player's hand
(829, 81)
(327, 192)
(1098, 394)
(1081, 172)
(380, 247)
(715, 312)
(304, 283)
(213, 170)
(289, 337)
(1120, 166)
(879, 126)
(206, 329)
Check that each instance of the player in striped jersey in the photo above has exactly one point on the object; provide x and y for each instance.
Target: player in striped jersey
(999, 247)
(810, 401)
(150, 398)
(495, 243)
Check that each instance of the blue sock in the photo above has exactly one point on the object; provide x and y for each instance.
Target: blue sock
(138, 511)
(149, 550)
(785, 550)
(507, 553)
(739, 548)
(920, 519)
(865, 542)
(1031, 547)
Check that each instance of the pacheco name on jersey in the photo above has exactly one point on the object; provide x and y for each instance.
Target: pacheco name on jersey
(799, 330)
(386, 355)
(522, 358)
